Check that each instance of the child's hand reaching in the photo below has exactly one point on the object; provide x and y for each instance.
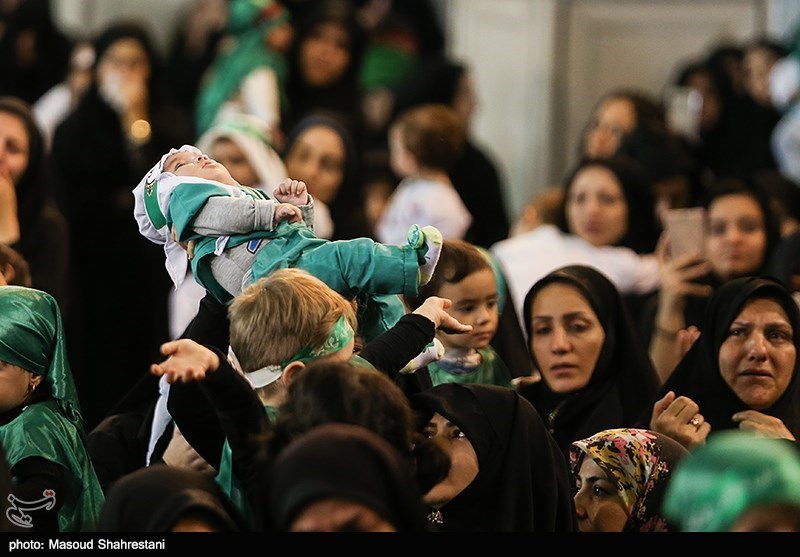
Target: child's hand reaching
(292, 191)
(186, 361)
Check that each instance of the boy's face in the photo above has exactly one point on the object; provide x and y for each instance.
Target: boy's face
(474, 303)
(186, 163)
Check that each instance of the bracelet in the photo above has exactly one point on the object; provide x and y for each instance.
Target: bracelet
(665, 333)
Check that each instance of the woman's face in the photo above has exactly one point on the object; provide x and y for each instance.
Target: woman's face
(325, 54)
(463, 460)
(15, 385)
(611, 122)
(317, 157)
(566, 337)
(596, 208)
(14, 147)
(231, 156)
(125, 60)
(597, 502)
(757, 64)
(737, 236)
(757, 357)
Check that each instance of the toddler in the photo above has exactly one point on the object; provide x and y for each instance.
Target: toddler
(233, 235)
(424, 142)
(464, 275)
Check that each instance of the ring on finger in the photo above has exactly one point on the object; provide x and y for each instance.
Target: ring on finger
(695, 422)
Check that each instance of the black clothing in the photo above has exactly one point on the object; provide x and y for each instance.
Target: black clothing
(623, 379)
(523, 482)
(697, 375)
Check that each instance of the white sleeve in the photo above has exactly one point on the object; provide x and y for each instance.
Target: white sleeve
(261, 96)
(631, 272)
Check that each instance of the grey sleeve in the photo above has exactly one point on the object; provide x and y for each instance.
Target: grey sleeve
(307, 211)
(221, 216)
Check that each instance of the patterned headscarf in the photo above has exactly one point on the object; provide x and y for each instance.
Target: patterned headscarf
(639, 462)
(32, 337)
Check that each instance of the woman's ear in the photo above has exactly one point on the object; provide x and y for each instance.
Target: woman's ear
(35, 380)
(290, 370)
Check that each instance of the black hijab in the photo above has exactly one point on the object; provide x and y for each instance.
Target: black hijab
(623, 379)
(342, 95)
(347, 207)
(697, 375)
(33, 188)
(523, 482)
(153, 498)
(345, 461)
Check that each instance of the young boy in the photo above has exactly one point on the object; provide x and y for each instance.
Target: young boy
(234, 235)
(423, 144)
(278, 326)
(464, 275)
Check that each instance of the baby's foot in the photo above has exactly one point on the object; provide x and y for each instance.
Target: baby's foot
(432, 353)
(428, 243)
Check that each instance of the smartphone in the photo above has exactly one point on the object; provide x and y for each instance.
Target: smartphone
(683, 108)
(687, 230)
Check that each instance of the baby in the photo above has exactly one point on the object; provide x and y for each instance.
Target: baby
(233, 234)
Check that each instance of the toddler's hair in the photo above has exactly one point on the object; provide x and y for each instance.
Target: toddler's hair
(458, 260)
(433, 133)
(273, 318)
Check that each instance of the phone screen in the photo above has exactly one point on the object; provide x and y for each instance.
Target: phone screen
(686, 228)
(683, 107)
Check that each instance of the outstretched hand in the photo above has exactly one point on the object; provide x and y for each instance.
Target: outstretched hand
(434, 309)
(291, 191)
(186, 361)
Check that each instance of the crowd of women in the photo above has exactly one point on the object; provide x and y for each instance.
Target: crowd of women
(568, 372)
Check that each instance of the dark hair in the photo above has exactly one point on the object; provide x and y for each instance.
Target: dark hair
(139, 32)
(643, 228)
(649, 113)
(347, 207)
(749, 188)
(327, 391)
(33, 186)
(458, 260)
(433, 133)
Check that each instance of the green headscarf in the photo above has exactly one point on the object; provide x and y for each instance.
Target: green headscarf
(32, 337)
(250, 21)
(734, 471)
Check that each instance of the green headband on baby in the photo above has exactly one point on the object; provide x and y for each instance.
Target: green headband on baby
(341, 334)
(154, 212)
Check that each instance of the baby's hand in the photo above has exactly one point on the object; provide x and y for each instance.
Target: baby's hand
(186, 361)
(292, 191)
(286, 212)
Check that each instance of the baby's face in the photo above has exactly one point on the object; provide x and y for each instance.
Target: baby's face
(186, 163)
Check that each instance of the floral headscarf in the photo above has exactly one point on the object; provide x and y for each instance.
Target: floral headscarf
(639, 462)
